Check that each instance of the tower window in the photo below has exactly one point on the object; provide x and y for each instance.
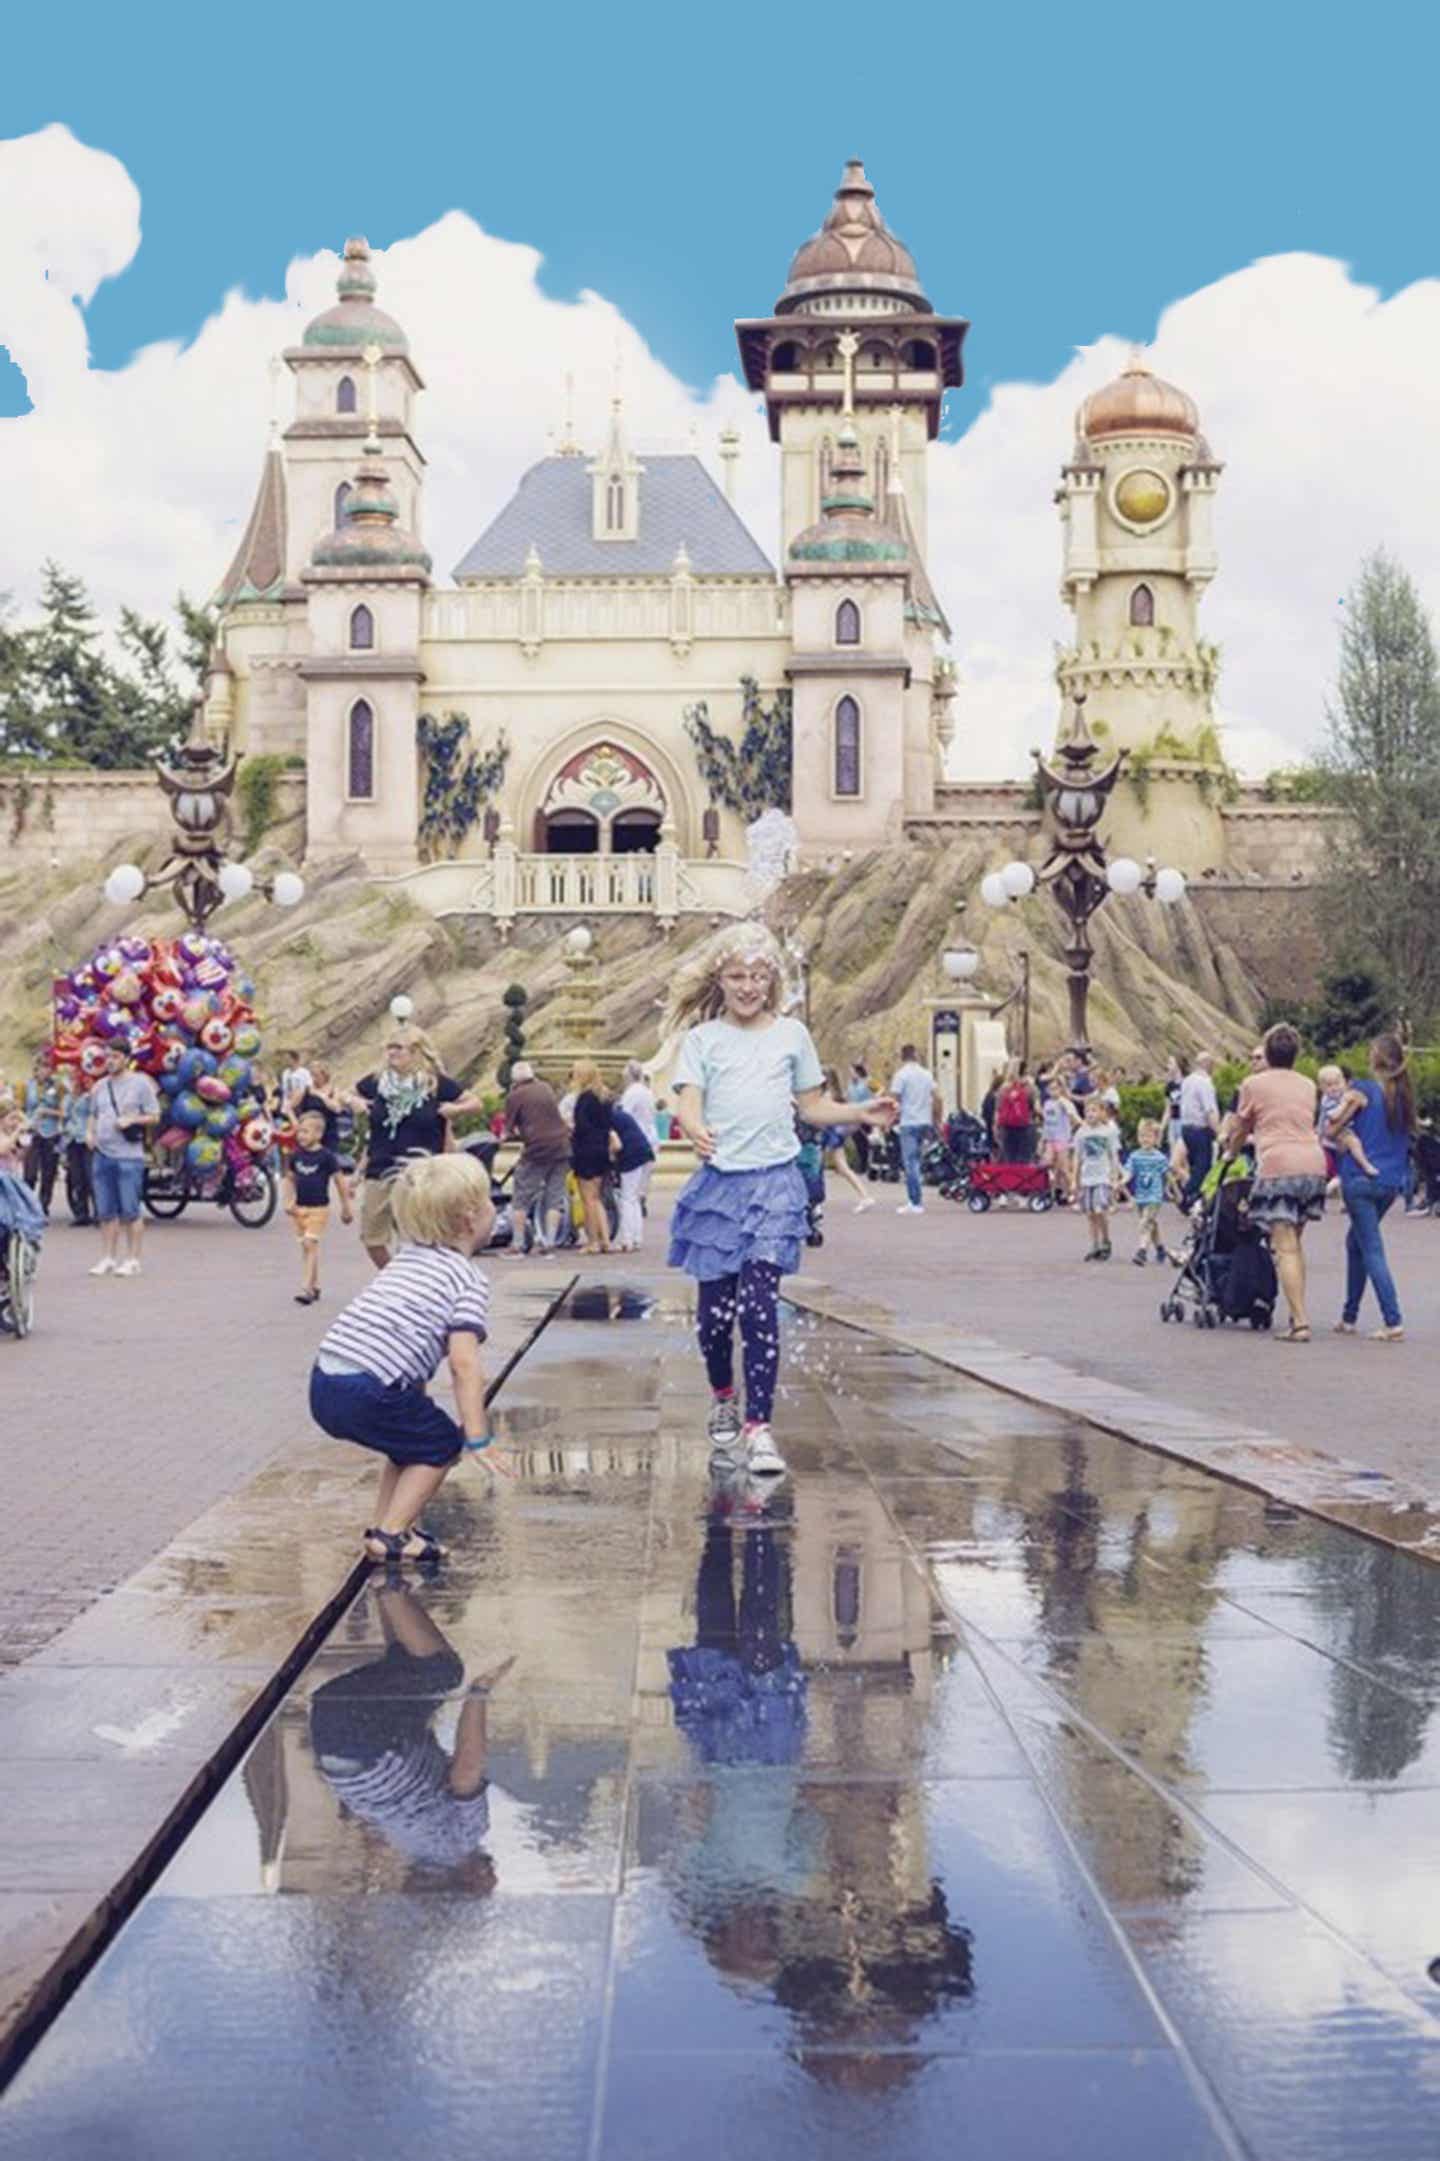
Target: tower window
(360, 753)
(786, 358)
(847, 747)
(342, 504)
(615, 505)
(1142, 608)
(362, 629)
(345, 394)
(918, 354)
(847, 623)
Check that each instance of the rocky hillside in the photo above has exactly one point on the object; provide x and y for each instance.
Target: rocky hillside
(873, 930)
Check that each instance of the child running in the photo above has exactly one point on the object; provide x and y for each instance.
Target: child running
(368, 1382)
(743, 1071)
(1097, 1172)
(1146, 1175)
(305, 1197)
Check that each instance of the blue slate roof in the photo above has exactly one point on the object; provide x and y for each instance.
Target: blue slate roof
(678, 502)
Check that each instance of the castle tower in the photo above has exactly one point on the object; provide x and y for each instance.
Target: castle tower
(331, 410)
(852, 281)
(850, 579)
(1135, 502)
(365, 581)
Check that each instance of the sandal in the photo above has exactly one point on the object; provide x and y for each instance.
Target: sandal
(1292, 1334)
(396, 1546)
(1342, 1328)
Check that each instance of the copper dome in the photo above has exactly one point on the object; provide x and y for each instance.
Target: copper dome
(1137, 403)
(853, 252)
(355, 320)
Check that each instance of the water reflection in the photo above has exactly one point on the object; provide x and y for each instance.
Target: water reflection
(815, 1891)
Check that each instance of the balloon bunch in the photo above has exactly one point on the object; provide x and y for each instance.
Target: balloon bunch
(185, 1013)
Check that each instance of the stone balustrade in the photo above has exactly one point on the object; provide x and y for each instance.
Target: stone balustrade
(507, 884)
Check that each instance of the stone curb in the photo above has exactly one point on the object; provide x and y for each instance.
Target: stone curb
(1330, 1487)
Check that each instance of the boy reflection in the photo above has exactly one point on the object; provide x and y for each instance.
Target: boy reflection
(814, 1890)
(372, 1731)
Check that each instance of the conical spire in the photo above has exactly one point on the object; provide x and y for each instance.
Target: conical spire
(258, 570)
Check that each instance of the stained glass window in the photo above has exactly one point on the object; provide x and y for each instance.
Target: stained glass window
(847, 747)
(360, 781)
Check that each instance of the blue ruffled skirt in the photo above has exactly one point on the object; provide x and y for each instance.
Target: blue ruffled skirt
(725, 1218)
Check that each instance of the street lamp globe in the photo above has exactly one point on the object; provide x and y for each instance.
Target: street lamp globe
(1124, 876)
(960, 962)
(578, 942)
(1170, 886)
(992, 890)
(401, 1007)
(286, 890)
(125, 883)
(236, 880)
(1018, 880)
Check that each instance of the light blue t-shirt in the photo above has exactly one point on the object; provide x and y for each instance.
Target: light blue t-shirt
(915, 1089)
(1147, 1170)
(748, 1080)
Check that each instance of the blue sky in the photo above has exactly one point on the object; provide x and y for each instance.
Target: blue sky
(1058, 173)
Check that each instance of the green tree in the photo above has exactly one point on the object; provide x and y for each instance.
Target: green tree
(1383, 899)
(1353, 1006)
(754, 774)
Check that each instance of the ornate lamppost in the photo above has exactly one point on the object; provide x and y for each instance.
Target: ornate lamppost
(199, 781)
(1079, 874)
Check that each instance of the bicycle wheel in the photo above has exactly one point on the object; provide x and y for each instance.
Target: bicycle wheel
(253, 1196)
(21, 1258)
(165, 1194)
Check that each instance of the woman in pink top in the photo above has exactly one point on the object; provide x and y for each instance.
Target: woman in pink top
(1277, 1110)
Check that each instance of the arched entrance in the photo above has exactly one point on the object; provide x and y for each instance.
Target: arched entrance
(603, 801)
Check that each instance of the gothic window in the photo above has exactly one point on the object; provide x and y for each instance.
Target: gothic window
(847, 747)
(345, 394)
(342, 502)
(1142, 608)
(360, 753)
(847, 623)
(615, 504)
(362, 629)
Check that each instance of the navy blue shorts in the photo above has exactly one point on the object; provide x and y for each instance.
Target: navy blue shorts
(395, 1418)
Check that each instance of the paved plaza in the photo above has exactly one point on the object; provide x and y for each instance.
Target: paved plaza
(995, 1769)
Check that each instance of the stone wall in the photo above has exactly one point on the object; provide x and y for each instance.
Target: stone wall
(51, 820)
(1275, 928)
(1279, 843)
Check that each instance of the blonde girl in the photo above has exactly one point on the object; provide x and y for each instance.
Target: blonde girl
(593, 1141)
(745, 1067)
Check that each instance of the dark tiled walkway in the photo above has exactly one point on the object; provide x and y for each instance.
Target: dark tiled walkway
(996, 1788)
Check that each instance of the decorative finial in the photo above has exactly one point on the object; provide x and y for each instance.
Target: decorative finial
(1135, 365)
(372, 355)
(848, 345)
(567, 447)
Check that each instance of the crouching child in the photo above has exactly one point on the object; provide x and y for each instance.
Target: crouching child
(371, 1371)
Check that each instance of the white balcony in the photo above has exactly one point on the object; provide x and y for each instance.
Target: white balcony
(507, 884)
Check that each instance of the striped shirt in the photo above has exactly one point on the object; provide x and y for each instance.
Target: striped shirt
(406, 1795)
(400, 1326)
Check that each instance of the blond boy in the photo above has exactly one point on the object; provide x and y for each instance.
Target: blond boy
(305, 1195)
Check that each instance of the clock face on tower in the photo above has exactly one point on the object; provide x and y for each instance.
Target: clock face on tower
(1141, 497)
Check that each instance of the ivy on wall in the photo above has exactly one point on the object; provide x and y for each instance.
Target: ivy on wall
(458, 782)
(255, 793)
(754, 774)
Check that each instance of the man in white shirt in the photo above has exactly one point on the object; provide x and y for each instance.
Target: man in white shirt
(1199, 1123)
(921, 1109)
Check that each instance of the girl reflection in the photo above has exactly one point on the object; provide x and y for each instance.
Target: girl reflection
(372, 1731)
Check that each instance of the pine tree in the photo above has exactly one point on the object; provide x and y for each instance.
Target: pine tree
(1383, 900)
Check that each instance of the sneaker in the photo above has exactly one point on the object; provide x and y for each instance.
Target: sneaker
(910, 1208)
(128, 1268)
(1102, 1253)
(861, 1206)
(762, 1458)
(723, 1428)
(1140, 1258)
(104, 1267)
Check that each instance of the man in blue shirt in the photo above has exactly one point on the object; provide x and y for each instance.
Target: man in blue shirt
(920, 1112)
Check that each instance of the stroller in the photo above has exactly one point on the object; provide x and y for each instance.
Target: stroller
(949, 1161)
(1227, 1273)
(1427, 1168)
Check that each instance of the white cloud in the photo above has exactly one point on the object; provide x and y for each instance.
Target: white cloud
(1315, 394)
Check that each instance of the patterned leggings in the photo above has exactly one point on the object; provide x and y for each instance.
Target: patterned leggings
(752, 1298)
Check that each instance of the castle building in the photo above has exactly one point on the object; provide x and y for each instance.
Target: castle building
(615, 590)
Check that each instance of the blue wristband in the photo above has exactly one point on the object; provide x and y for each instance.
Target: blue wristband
(473, 1447)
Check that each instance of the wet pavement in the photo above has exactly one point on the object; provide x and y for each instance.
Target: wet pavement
(996, 1786)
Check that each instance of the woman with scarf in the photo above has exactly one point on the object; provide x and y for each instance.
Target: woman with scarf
(409, 1104)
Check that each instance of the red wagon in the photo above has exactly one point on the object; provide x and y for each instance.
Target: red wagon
(1028, 1183)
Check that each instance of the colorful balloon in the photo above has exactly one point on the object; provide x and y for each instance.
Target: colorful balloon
(165, 1004)
(203, 1153)
(189, 1109)
(92, 1058)
(257, 1134)
(195, 1012)
(173, 1137)
(221, 1118)
(211, 1089)
(247, 1039)
(217, 1035)
(235, 1072)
